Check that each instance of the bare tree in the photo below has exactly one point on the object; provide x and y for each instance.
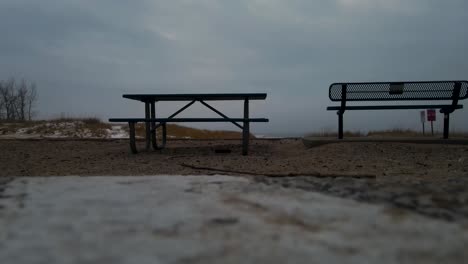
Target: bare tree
(31, 100)
(21, 100)
(9, 99)
(17, 101)
(2, 103)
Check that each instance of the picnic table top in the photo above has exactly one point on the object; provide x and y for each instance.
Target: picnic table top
(189, 97)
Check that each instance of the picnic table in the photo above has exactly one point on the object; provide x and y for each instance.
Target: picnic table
(152, 122)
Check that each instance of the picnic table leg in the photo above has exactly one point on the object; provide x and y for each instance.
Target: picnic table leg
(446, 125)
(147, 126)
(164, 135)
(131, 125)
(153, 126)
(246, 129)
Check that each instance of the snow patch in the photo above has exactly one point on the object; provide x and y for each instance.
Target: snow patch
(74, 129)
(117, 132)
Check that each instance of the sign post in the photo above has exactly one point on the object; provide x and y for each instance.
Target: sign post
(431, 116)
(423, 119)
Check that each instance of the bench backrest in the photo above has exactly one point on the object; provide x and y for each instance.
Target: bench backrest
(397, 91)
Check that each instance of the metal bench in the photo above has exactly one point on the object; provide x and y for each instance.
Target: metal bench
(398, 91)
(150, 115)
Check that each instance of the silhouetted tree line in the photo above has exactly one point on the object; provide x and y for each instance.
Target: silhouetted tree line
(17, 100)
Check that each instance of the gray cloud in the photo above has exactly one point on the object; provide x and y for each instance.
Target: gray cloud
(85, 54)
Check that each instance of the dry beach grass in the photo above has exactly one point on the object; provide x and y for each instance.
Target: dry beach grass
(92, 127)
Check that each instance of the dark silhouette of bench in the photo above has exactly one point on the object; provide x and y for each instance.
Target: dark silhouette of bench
(152, 123)
(398, 91)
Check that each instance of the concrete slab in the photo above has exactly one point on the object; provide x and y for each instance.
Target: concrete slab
(318, 141)
(209, 219)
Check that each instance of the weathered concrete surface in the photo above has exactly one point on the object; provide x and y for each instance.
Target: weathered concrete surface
(446, 199)
(209, 219)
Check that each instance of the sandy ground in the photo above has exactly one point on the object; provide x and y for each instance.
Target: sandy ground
(429, 179)
(386, 161)
(209, 219)
(394, 202)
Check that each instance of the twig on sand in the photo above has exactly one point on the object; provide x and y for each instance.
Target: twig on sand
(176, 157)
(290, 174)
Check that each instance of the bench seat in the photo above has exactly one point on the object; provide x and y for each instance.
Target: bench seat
(393, 107)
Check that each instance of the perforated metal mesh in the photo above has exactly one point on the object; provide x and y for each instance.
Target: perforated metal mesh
(389, 91)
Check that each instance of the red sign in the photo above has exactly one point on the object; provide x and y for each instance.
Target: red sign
(431, 115)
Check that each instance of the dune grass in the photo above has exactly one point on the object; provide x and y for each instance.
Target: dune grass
(184, 132)
(66, 126)
(395, 132)
(335, 134)
(86, 120)
(72, 126)
(173, 130)
(398, 132)
(95, 126)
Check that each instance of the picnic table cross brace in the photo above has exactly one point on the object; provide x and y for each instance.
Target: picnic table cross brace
(150, 112)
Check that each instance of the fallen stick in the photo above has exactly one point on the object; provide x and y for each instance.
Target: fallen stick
(291, 174)
(176, 157)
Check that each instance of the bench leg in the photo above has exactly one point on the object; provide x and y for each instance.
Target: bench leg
(246, 129)
(131, 126)
(147, 126)
(340, 125)
(446, 125)
(153, 126)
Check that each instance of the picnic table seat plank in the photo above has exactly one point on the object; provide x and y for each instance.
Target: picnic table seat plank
(182, 120)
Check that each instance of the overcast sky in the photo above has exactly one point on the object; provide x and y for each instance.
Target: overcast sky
(84, 54)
